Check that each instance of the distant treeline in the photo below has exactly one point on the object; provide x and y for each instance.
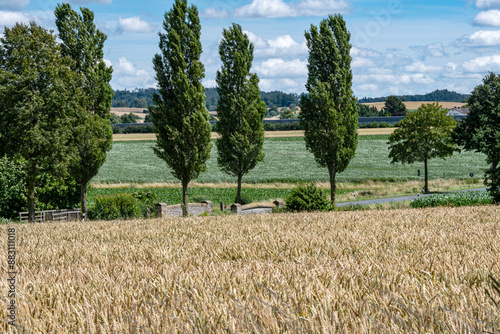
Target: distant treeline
(143, 97)
(441, 95)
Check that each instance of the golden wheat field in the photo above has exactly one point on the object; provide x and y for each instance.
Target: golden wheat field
(380, 271)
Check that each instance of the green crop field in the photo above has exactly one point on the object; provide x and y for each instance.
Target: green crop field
(287, 160)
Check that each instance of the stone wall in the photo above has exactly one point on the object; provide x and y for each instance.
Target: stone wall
(194, 209)
(256, 208)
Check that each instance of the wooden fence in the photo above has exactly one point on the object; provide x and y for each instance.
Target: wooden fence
(64, 215)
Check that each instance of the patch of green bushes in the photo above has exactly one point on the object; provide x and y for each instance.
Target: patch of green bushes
(307, 197)
(462, 198)
(123, 205)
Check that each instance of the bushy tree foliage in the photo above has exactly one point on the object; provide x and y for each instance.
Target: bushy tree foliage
(329, 114)
(180, 117)
(240, 108)
(394, 106)
(422, 135)
(39, 98)
(92, 133)
(480, 131)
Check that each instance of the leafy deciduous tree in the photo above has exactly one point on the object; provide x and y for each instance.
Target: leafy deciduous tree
(180, 116)
(240, 108)
(394, 106)
(39, 98)
(480, 131)
(329, 114)
(92, 134)
(422, 135)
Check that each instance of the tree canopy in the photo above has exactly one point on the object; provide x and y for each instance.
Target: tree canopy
(329, 113)
(480, 131)
(422, 135)
(394, 106)
(179, 115)
(39, 97)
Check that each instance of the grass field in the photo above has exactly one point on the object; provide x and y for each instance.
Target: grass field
(416, 104)
(393, 271)
(287, 160)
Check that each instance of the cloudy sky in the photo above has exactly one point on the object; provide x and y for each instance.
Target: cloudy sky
(399, 46)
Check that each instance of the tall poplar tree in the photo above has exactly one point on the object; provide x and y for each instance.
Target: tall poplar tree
(39, 97)
(240, 108)
(180, 116)
(329, 114)
(92, 134)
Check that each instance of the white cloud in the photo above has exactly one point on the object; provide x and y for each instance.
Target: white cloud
(483, 64)
(10, 18)
(214, 13)
(286, 85)
(276, 67)
(133, 24)
(278, 8)
(265, 8)
(13, 4)
(431, 50)
(484, 4)
(126, 67)
(481, 38)
(422, 68)
(368, 87)
(321, 7)
(209, 83)
(107, 62)
(281, 46)
(256, 40)
(359, 62)
(126, 75)
(364, 53)
(488, 18)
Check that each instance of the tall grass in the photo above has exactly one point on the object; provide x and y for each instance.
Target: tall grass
(462, 198)
(398, 271)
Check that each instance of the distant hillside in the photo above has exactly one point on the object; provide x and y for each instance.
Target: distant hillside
(442, 95)
(143, 97)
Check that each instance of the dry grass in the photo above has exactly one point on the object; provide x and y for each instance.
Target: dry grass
(416, 104)
(394, 271)
(268, 134)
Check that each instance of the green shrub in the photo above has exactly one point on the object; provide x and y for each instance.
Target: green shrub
(115, 207)
(145, 198)
(116, 129)
(198, 199)
(307, 197)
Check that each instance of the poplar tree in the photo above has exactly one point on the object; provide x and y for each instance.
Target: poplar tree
(240, 108)
(422, 135)
(329, 114)
(180, 116)
(39, 97)
(92, 134)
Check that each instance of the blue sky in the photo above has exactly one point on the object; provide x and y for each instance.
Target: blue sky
(399, 46)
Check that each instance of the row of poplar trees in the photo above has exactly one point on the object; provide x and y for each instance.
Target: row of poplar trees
(329, 113)
(55, 99)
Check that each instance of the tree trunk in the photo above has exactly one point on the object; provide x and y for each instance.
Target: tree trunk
(185, 198)
(332, 173)
(31, 199)
(426, 187)
(238, 193)
(83, 198)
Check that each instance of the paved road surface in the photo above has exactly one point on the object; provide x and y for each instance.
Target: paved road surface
(394, 199)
